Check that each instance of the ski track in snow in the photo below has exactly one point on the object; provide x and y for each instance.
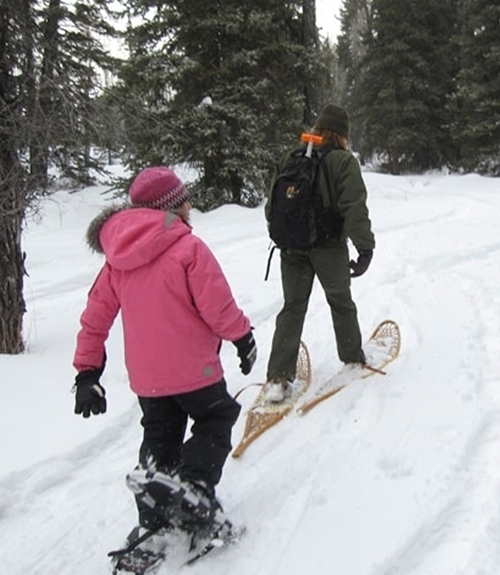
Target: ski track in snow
(395, 475)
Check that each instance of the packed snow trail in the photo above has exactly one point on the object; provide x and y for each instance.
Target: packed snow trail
(395, 475)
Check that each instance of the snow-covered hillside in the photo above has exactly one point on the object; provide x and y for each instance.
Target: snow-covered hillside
(396, 475)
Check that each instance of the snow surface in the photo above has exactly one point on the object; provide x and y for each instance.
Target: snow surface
(396, 475)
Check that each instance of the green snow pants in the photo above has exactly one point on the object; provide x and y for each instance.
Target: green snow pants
(330, 263)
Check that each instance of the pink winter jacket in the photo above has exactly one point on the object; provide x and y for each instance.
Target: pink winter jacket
(175, 302)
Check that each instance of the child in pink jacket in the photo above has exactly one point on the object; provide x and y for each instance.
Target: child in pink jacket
(176, 307)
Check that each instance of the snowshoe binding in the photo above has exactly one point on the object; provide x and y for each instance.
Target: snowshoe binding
(203, 543)
(143, 552)
(187, 505)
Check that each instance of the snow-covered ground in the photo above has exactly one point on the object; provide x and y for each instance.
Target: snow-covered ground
(396, 475)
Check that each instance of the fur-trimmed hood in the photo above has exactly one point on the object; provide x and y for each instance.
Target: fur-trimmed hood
(131, 237)
(96, 225)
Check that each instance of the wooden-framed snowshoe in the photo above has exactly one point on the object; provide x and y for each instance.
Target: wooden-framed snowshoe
(263, 414)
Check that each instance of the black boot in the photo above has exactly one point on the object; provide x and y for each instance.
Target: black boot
(185, 503)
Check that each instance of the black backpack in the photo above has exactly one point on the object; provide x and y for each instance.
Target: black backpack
(299, 218)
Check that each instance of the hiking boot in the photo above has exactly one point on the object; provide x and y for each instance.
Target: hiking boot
(157, 505)
(359, 360)
(353, 365)
(276, 389)
(200, 507)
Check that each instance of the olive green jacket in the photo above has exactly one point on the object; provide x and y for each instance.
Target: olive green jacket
(341, 186)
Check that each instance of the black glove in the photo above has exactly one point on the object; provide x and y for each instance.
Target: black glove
(90, 395)
(247, 352)
(361, 265)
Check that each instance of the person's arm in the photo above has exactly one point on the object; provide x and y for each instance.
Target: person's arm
(352, 204)
(216, 305)
(90, 355)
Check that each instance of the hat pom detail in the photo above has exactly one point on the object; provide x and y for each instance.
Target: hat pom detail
(158, 188)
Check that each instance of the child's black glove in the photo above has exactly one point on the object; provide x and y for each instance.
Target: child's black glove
(90, 396)
(247, 352)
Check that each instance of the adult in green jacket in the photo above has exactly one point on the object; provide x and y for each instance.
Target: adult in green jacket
(341, 185)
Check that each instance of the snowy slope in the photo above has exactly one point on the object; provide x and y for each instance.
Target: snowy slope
(397, 475)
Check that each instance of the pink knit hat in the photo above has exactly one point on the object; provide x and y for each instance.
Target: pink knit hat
(158, 188)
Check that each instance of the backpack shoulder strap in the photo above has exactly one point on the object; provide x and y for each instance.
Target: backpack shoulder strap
(325, 196)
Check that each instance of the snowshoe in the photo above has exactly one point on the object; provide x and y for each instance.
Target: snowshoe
(178, 506)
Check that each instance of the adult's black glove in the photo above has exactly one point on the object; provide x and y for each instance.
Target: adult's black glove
(90, 396)
(247, 352)
(361, 264)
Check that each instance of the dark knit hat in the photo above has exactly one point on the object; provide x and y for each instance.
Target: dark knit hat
(158, 188)
(333, 118)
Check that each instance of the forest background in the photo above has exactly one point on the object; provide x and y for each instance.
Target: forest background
(225, 88)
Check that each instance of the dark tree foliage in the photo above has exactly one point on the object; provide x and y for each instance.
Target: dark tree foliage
(71, 61)
(48, 60)
(220, 86)
(356, 21)
(318, 82)
(408, 77)
(477, 104)
(356, 29)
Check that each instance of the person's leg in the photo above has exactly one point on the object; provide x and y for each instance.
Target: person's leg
(185, 496)
(331, 264)
(297, 276)
(214, 413)
(164, 426)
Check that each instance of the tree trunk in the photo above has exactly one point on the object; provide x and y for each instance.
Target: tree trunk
(12, 193)
(12, 305)
(311, 41)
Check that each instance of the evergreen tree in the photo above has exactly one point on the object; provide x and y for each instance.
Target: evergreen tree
(356, 23)
(477, 105)
(218, 85)
(64, 116)
(408, 76)
(355, 28)
(46, 85)
(318, 82)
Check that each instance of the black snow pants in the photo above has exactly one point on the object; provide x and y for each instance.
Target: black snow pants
(202, 456)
